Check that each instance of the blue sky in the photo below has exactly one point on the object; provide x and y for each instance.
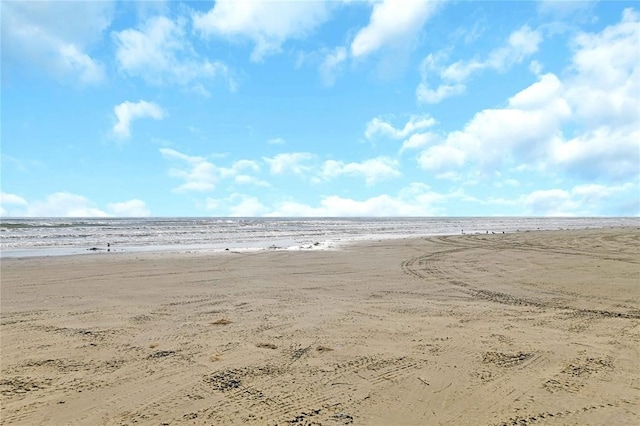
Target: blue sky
(341, 108)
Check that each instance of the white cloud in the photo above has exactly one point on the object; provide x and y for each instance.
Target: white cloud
(433, 96)
(293, 162)
(237, 205)
(11, 199)
(529, 129)
(247, 207)
(302, 163)
(55, 36)
(603, 92)
(160, 53)
(581, 200)
(64, 204)
(460, 71)
(523, 131)
(72, 60)
(418, 199)
(373, 170)
(127, 111)
(131, 208)
(200, 175)
(10, 204)
(394, 26)
(418, 140)
(613, 153)
(245, 165)
(539, 94)
(250, 180)
(238, 171)
(520, 45)
(562, 9)
(550, 202)
(415, 200)
(580, 126)
(380, 127)
(442, 158)
(606, 83)
(267, 24)
(276, 141)
(331, 64)
(393, 23)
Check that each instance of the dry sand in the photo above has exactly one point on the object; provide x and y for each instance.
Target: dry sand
(525, 328)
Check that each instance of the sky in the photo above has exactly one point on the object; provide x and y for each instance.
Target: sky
(317, 109)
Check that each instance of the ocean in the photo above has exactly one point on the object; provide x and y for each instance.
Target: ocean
(25, 237)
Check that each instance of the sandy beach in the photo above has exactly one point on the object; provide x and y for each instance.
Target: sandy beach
(523, 328)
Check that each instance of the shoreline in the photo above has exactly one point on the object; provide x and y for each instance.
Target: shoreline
(482, 328)
(257, 246)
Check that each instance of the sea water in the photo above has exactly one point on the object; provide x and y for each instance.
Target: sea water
(24, 237)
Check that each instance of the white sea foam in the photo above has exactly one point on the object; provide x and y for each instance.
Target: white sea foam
(58, 236)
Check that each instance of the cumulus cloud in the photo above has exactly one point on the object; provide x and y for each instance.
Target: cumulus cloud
(201, 175)
(419, 140)
(55, 37)
(9, 203)
(520, 45)
(242, 179)
(127, 112)
(131, 208)
(441, 159)
(241, 165)
(379, 127)
(373, 170)
(585, 125)
(393, 27)
(604, 152)
(493, 137)
(428, 95)
(267, 24)
(66, 204)
(539, 94)
(306, 164)
(393, 23)
(63, 204)
(11, 199)
(415, 200)
(160, 53)
(581, 200)
(418, 199)
(236, 205)
(243, 173)
(292, 162)
(550, 202)
(603, 94)
(606, 80)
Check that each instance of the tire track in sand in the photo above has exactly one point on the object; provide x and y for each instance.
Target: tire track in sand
(436, 268)
(255, 392)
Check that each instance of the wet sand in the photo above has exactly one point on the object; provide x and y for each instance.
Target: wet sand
(524, 328)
